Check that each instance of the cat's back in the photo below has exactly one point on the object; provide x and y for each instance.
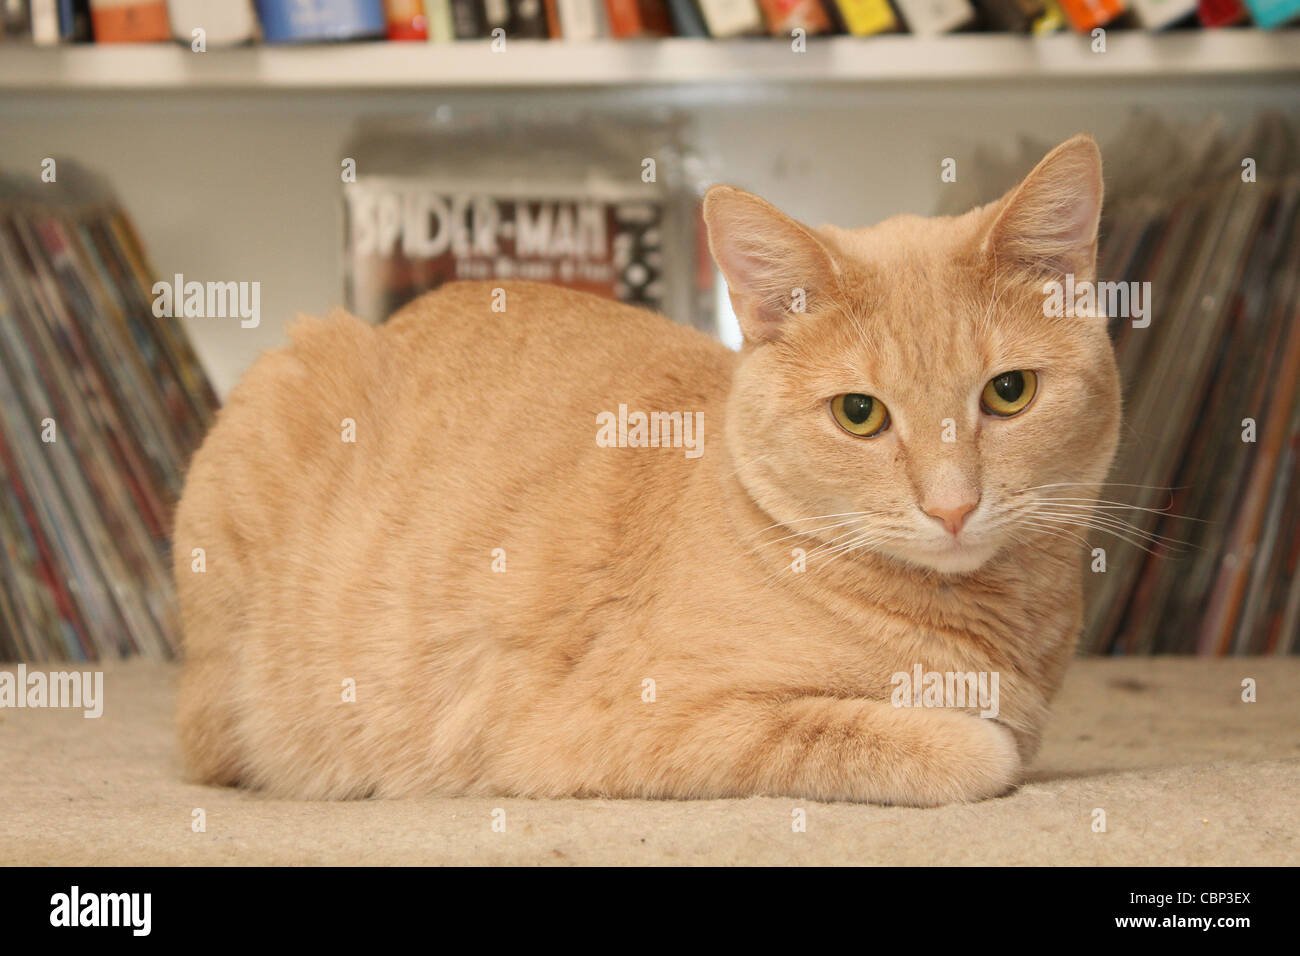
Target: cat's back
(502, 378)
(532, 333)
(511, 378)
(488, 332)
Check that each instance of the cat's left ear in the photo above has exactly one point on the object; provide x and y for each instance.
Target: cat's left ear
(773, 264)
(1047, 226)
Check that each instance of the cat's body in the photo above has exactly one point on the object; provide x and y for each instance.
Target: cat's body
(499, 588)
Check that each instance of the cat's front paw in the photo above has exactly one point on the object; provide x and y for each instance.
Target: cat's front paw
(969, 758)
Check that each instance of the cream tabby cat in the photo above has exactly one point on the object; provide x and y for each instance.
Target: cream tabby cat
(500, 589)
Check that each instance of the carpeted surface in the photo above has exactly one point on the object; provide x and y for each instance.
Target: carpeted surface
(1185, 771)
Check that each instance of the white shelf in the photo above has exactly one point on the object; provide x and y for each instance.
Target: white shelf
(671, 62)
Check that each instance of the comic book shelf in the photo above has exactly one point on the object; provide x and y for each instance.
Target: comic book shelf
(674, 61)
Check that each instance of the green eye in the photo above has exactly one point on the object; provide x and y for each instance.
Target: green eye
(860, 415)
(1009, 393)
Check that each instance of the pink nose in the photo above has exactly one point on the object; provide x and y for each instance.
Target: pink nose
(952, 515)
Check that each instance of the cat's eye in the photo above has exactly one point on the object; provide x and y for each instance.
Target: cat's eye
(1009, 393)
(860, 415)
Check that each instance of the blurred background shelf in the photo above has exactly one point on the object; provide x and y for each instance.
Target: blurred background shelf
(667, 62)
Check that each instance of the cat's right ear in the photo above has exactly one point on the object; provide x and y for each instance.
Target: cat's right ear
(774, 265)
(1047, 226)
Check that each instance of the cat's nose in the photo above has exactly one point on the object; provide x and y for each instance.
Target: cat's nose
(951, 513)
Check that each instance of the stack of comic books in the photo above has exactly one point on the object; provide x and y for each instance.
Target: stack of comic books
(1212, 395)
(1202, 511)
(101, 404)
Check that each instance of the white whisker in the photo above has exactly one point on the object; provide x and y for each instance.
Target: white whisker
(1105, 522)
(1071, 522)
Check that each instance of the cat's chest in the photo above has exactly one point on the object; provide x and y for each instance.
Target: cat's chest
(1005, 655)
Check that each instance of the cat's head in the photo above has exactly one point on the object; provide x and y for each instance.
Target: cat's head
(901, 387)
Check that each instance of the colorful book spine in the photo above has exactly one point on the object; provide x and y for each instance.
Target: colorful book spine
(528, 20)
(15, 19)
(1086, 15)
(785, 16)
(45, 22)
(74, 21)
(730, 18)
(1273, 13)
(1052, 19)
(1016, 16)
(582, 19)
(307, 21)
(496, 16)
(406, 20)
(469, 19)
(686, 19)
(638, 18)
(864, 17)
(1157, 14)
(441, 26)
(129, 21)
(933, 17)
(1220, 13)
(553, 29)
(224, 22)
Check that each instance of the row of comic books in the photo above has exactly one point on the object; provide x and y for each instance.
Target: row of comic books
(101, 404)
(1212, 394)
(1201, 516)
(226, 22)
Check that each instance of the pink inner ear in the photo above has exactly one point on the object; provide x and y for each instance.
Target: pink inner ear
(764, 256)
(742, 265)
(761, 282)
(1049, 223)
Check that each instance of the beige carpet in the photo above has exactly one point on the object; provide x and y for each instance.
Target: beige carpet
(1185, 771)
